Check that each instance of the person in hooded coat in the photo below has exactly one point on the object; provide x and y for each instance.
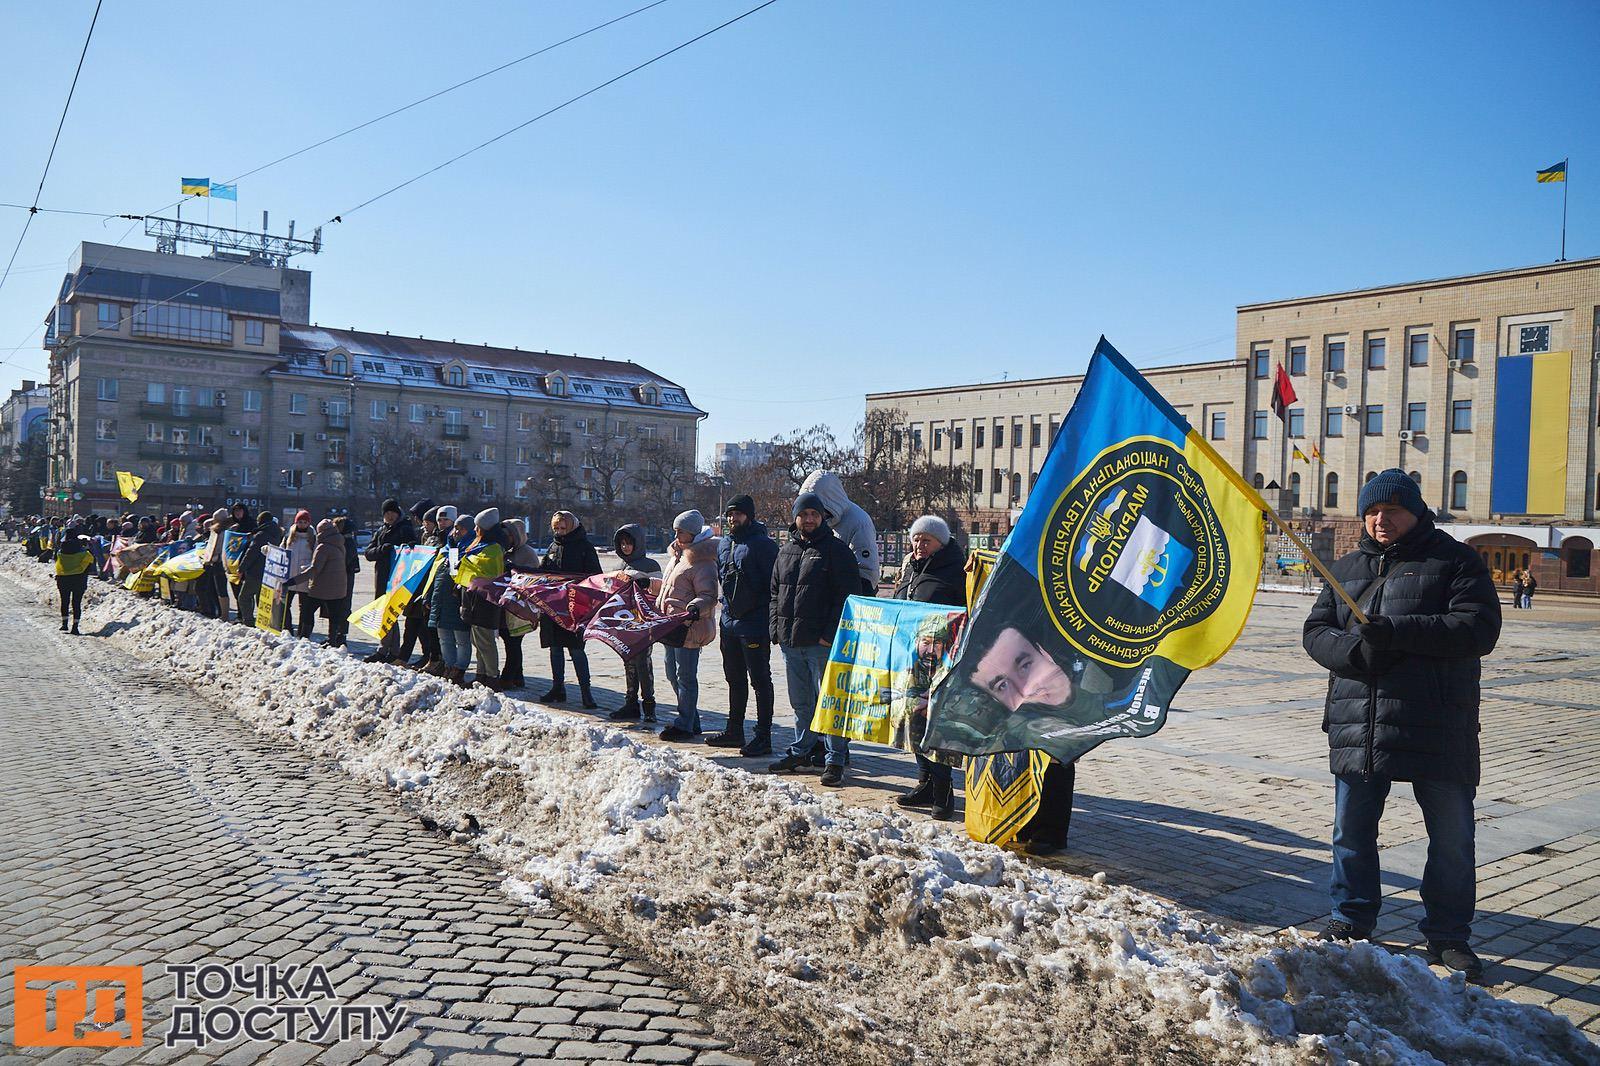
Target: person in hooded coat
(211, 587)
(254, 565)
(417, 629)
(444, 601)
(569, 553)
(639, 672)
(850, 524)
(520, 559)
(745, 556)
(396, 532)
(480, 613)
(690, 584)
(339, 621)
(324, 583)
(935, 571)
(300, 541)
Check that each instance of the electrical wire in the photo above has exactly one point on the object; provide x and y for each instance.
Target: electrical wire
(50, 158)
(546, 114)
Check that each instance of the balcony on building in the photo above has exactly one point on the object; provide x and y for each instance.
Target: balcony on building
(337, 419)
(175, 413)
(155, 449)
(455, 431)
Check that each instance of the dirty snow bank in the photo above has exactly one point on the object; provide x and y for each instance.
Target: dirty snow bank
(871, 936)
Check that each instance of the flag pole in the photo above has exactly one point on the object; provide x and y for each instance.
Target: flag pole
(1314, 560)
(1566, 179)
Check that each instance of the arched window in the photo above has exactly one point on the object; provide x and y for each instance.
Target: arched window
(1577, 553)
(1260, 482)
(1330, 497)
(1294, 490)
(1016, 486)
(1415, 475)
(1458, 491)
(1370, 475)
(338, 364)
(456, 377)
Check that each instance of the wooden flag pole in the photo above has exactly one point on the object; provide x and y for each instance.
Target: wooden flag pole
(1311, 557)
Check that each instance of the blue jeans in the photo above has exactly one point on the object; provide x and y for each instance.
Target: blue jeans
(558, 666)
(683, 674)
(1449, 880)
(803, 668)
(455, 645)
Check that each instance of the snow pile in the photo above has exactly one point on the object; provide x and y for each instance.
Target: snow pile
(870, 936)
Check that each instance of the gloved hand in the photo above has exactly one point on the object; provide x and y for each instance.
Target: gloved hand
(1377, 633)
(694, 612)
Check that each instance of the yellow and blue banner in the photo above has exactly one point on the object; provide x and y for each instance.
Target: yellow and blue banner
(1134, 562)
(128, 485)
(194, 186)
(1555, 173)
(234, 545)
(270, 601)
(484, 559)
(1531, 397)
(411, 570)
(884, 658)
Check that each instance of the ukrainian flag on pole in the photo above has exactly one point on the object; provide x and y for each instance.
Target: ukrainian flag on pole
(1134, 562)
(194, 186)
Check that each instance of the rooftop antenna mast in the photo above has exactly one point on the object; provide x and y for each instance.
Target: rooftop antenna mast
(237, 245)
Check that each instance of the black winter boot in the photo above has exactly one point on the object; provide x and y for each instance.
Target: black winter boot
(649, 707)
(63, 623)
(585, 697)
(944, 801)
(731, 737)
(628, 711)
(924, 795)
(760, 744)
(556, 694)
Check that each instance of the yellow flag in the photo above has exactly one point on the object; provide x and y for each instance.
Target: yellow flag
(129, 485)
(1300, 455)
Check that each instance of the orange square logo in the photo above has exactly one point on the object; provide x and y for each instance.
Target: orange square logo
(79, 1006)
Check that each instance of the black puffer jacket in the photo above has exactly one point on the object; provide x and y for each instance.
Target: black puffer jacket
(570, 553)
(254, 564)
(940, 578)
(1407, 712)
(811, 579)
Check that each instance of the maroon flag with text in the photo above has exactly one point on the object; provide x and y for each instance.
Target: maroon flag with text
(566, 599)
(628, 623)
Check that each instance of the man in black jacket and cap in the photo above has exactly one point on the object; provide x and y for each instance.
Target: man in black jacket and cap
(1403, 706)
(397, 532)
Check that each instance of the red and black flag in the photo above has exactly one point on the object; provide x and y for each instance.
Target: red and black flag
(1282, 394)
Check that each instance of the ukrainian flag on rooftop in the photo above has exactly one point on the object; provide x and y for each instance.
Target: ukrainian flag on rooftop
(1555, 173)
(197, 186)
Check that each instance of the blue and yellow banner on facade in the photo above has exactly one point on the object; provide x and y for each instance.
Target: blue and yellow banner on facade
(1134, 562)
(1532, 394)
(884, 658)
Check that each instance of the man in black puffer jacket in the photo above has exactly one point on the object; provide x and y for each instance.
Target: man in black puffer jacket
(396, 532)
(814, 574)
(1403, 706)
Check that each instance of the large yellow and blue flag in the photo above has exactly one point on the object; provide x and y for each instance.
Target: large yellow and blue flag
(1555, 173)
(128, 485)
(411, 570)
(1134, 562)
(194, 186)
(1531, 397)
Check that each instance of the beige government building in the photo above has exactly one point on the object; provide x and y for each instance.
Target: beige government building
(1397, 376)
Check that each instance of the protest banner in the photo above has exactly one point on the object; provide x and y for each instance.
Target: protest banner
(629, 622)
(569, 600)
(411, 571)
(269, 603)
(1133, 563)
(234, 545)
(884, 657)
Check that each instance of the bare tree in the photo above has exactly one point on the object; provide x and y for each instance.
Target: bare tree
(403, 464)
(22, 475)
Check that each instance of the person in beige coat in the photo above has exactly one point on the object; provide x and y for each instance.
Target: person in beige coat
(690, 584)
(325, 583)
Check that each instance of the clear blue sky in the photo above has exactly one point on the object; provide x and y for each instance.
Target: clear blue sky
(833, 196)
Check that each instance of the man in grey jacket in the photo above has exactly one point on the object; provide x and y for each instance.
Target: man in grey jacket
(850, 524)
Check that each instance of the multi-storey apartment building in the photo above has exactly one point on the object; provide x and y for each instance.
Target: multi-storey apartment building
(740, 455)
(22, 415)
(208, 380)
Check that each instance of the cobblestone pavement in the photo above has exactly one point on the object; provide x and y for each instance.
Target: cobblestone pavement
(143, 826)
(1229, 809)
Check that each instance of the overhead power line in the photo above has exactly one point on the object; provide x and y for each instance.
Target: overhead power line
(50, 158)
(546, 114)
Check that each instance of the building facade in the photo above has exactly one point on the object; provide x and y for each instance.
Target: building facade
(207, 380)
(742, 455)
(1003, 430)
(22, 415)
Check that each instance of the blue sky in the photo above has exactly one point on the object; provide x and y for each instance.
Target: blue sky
(832, 196)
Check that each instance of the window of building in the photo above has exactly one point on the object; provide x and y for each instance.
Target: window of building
(206, 436)
(252, 399)
(1458, 491)
(250, 439)
(375, 410)
(154, 432)
(1417, 417)
(1258, 425)
(1016, 487)
(1330, 495)
(488, 419)
(338, 365)
(1466, 344)
(1336, 357)
(956, 436)
(180, 399)
(1372, 416)
(1260, 363)
(977, 481)
(1415, 475)
(999, 436)
(255, 332)
(110, 316)
(1417, 349)
(522, 455)
(106, 389)
(292, 479)
(297, 403)
(1377, 353)
(916, 438)
(489, 454)
(1297, 359)
(1577, 553)
(182, 322)
(680, 434)
(1259, 482)
(177, 473)
(1294, 490)
(1333, 422)
(155, 392)
(179, 435)
(418, 412)
(1297, 422)
(104, 469)
(249, 477)
(1219, 425)
(1035, 434)
(297, 440)
(524, 421)
(1370, 475)
(977, 436)
(938, 438)
(455, 376)
(205, 397)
